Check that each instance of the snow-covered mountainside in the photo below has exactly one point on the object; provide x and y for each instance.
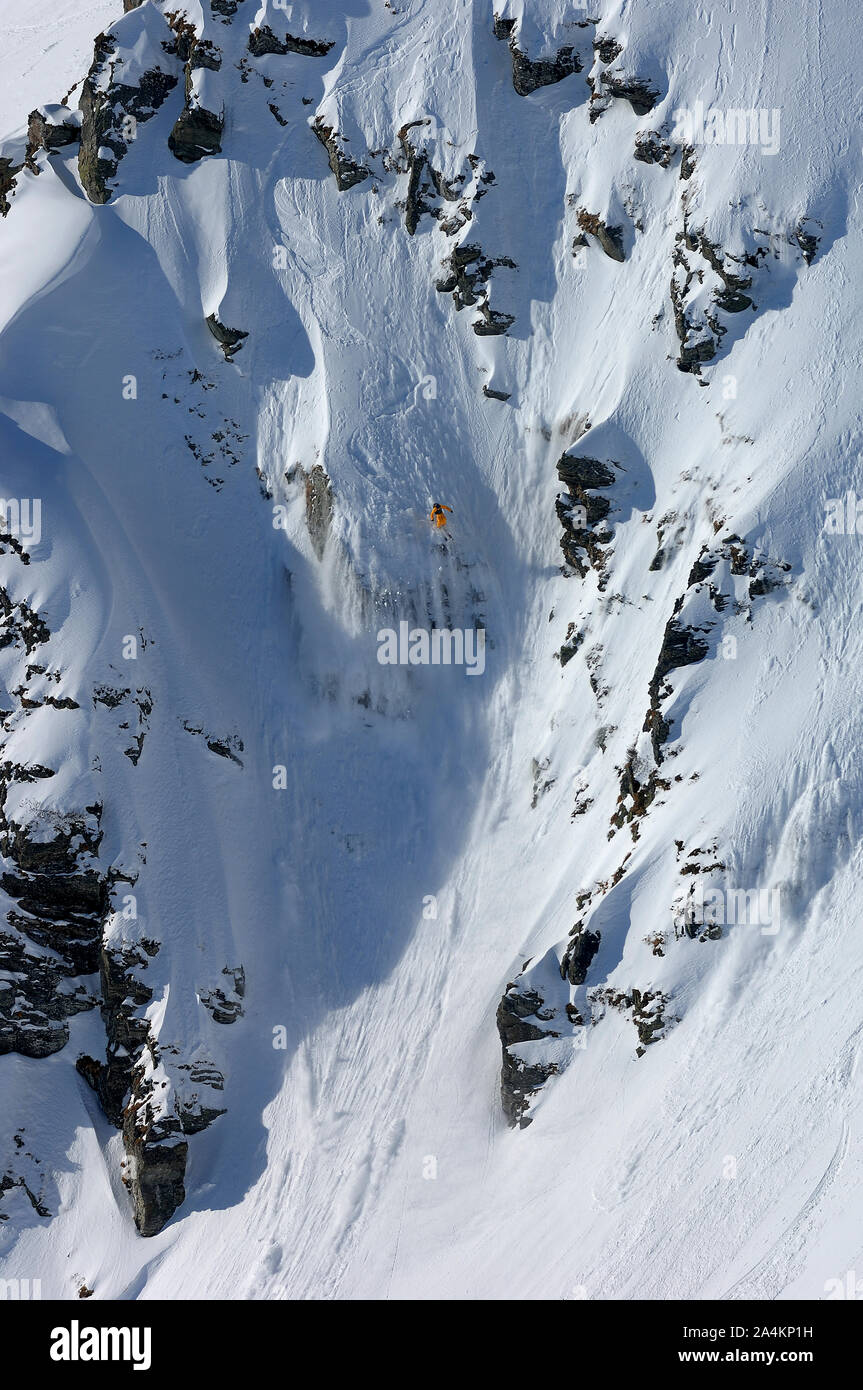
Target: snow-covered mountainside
(330, 968)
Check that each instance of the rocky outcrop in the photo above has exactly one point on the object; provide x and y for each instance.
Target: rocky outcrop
(9, 172)
(519, 1014)
(651, 147)
(617, 86)
(197, 132)
(111, 110)
(156, 1154)
(51, 128)
(528, 74)
(52, 945)
(578, 956)
(225, 1002)
(467, 272)
(230, 340)
(582, 513)
(319, 508)
(348, 171)
(699, 335)
(263, 41)
(609, 238)
(644, 1007)
(709, 283)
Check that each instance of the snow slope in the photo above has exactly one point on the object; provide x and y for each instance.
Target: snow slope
(384, 894)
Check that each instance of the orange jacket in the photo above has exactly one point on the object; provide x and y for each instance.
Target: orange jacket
(437, 514)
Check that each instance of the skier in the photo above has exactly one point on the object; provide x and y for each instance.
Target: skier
(437, 515)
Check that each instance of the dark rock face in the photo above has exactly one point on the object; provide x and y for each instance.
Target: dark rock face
(263, 41)
(197, 132)
(467, 272)
(62, 903)
(607, 48)
(581, 511)
(681, 646)
(319, 508)
(48, 129)
(610, 86)
(225, 1002)
(104, 104)
(641, 96)
(347, 171)
(583, 472)
(55, 962)
(230, 340)
(699, 342)
(157, 1155)
(20, 623)
(519, 1080)
(609, 238)
(528, 74)
(579, 955)
(8, 173)
(652, 148)
(123, 995)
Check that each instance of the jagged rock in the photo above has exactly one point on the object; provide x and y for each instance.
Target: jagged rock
(492, 395)
(416, 162)
(570, 645)
(229, 339)
(578, 956)
(8, 1181)
(157, 1158)
(222, 1008)
(607, 48)
(518, 1079)
(609, 238)
(319, 508)
(492, 322)
(583, 472)
(196, 134)
(469, 286)
(194, 1115)
(641, 94)
(807, 241)
(681, 646)
(51, 128)
(652, 148)
(62, 911)
(126, 1031)
(646, 1008)
(347, 171)
(581, 511)
(104, 103)
(8, 174)
(699, 340)
(263, 41)
(528, 74)
(21, 623)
